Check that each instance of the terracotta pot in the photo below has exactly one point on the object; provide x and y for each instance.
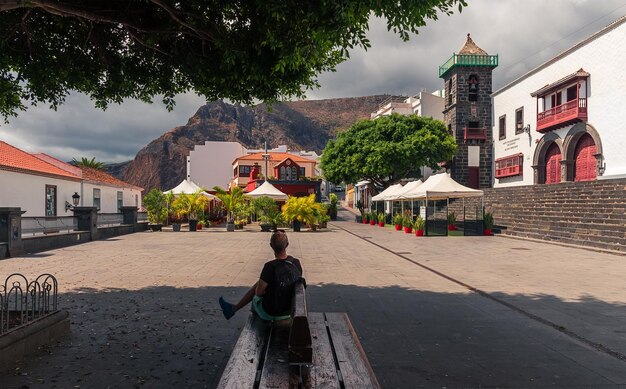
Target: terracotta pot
(451, 227)
(419, 232)
(364, 221)
(408, 230)
(398, 227)
(198, 226)
(372, 222)
(487, 231)
(381, 224)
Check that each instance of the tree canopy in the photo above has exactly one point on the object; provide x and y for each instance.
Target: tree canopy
(386, 150)
(239, 50)
(90, 163)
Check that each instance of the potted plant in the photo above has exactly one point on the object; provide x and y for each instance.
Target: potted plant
(298, 210)
(242, 212)
(397, 221)
(267, 212)
(419, 226)
(373, 218)
(407, 222)
(488, 223)
(175, 216)
(332, 210)
(381, 219)
(359, 206)
(155, 204)
(199, 225)
(365, 216)
(229, 200)
(192, 205)
(451, 221)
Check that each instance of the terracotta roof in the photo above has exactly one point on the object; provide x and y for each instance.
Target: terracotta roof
(12, 158)
(471, 48)
(99, 176)
(60, 164)
(274, 157)
(580, 73)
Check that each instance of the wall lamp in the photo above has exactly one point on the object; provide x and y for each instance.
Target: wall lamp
(602, 168)
(75, 199)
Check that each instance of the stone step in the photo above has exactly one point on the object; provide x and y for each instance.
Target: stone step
(570, 241)
(567, 234)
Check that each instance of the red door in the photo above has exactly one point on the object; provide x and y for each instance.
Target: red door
(553, 164)
(474, 176)
(585, 168)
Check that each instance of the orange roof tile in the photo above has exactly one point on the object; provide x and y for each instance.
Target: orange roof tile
(99, 176)
(274, 156)
(12, 158)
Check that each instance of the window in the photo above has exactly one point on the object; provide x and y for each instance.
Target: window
(96, 198)
(302, 172)
(244, 170)
(572, 92)
(120, 201)
(51, 200)
(472, 82)
(235, 172)
(473, 124)
(510, 166)
(450, 129)
(281, 174)
(519, 120)
(502, 127)
(450, 92)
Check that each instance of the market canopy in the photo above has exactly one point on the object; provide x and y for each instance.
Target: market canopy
(268, 190)
(442, 186)
(189, 187)
(410, 187)
(387, 192)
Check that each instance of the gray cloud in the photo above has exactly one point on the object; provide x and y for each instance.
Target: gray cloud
(524, 33)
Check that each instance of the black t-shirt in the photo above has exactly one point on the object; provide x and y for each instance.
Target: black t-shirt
(281, 276)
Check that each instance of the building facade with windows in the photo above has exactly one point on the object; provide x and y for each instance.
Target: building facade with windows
(282, 166)
(564, 120)
(41, 185)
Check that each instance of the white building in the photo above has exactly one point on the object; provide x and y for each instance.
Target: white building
(42, 185)
(423, 104)
(564, 120)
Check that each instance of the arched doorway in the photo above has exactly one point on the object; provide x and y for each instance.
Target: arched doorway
(585, 160)
(553, 164)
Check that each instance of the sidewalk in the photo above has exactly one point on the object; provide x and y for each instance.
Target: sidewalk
(144, 307)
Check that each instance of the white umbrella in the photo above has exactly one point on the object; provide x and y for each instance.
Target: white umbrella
(189, 187)
(269, 190)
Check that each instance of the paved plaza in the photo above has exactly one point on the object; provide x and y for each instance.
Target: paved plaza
(430, 312)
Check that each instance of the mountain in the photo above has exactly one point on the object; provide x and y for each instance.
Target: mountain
(306, 125)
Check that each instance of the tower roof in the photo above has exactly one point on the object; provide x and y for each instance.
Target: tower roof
(471, 48)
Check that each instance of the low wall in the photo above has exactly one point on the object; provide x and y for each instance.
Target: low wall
(28, 339)
(4, 250)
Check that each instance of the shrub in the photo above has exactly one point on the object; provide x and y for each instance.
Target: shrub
(451, 218)
(488, 220)
(155, 204)
(397, 219)
(407, 220)
(419, 223)
(381, 217)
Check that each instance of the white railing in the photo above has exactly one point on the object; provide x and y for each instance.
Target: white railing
(41, 225)
(110, 219)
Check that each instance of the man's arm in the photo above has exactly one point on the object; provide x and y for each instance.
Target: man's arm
(261, 286)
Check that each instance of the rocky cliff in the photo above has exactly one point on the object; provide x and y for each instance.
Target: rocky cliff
(300, 125)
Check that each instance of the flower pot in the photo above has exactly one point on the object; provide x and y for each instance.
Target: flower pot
(199, 227)
(193, 224)
(419, 232)
(365, 221)
(156, 227)
(381, 224)
(451, 227)
(358, 219)
(372, 222)
(176, 227)
(296, 226)
(265, 227)
(487, 231)
(398, 227)
(408, 230)
(230, 226)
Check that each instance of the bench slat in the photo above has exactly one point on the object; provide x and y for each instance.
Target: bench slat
(322, 374)
(276, 369)
(353, 363)
(300, 348)
(240, 371)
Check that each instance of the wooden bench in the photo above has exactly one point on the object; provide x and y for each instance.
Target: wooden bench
(311, 350)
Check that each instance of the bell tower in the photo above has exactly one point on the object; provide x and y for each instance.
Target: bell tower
(467, 113)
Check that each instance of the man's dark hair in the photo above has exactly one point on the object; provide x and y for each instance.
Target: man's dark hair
(279, 241)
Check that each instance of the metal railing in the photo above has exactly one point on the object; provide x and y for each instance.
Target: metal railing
(468, 60)
(22, 302)
(41, 225)
(110, 219)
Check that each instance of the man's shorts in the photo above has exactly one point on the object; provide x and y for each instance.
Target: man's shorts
(257, 307)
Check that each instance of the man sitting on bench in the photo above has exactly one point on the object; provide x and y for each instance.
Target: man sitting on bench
(272, 294)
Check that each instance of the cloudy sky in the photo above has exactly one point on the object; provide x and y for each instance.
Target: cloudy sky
(524, 33)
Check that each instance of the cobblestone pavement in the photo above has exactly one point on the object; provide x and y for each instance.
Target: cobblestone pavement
(431, 312)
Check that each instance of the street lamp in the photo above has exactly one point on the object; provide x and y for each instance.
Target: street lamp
(75, 199)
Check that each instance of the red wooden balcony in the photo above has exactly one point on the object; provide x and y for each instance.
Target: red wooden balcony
(509, 166)
(562, 115)
(474, 133)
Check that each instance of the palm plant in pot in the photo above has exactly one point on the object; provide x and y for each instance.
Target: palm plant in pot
(155, 204)
(332, 210)
(381, 219)
(419, 226)
(298, 210)
(192, 205)
(373, 218)
(488, 223)
(397, 221)
(229, 200)
(407, 222)
(359, 206)
(267, 212)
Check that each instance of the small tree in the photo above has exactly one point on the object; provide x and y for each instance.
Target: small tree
(229, 199)
(192, 204)
(155, 204)
(267, 209)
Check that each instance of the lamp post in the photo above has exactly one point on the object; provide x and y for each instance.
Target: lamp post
(75, 200)
(266, 157)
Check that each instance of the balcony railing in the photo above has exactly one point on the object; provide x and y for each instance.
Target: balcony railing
(509, 171)
(562, 115)
(474, 133)
(468, 60)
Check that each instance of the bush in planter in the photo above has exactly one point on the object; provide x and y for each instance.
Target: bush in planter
(365, 217)
(488, 222)
(381, 219)
(407, 223)
(419, 226)
(191, 205)
(397, 221)
(302, 210)
(373, 218)
(267, 211)
(155, 204)
(451, 221)
(332, 209)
